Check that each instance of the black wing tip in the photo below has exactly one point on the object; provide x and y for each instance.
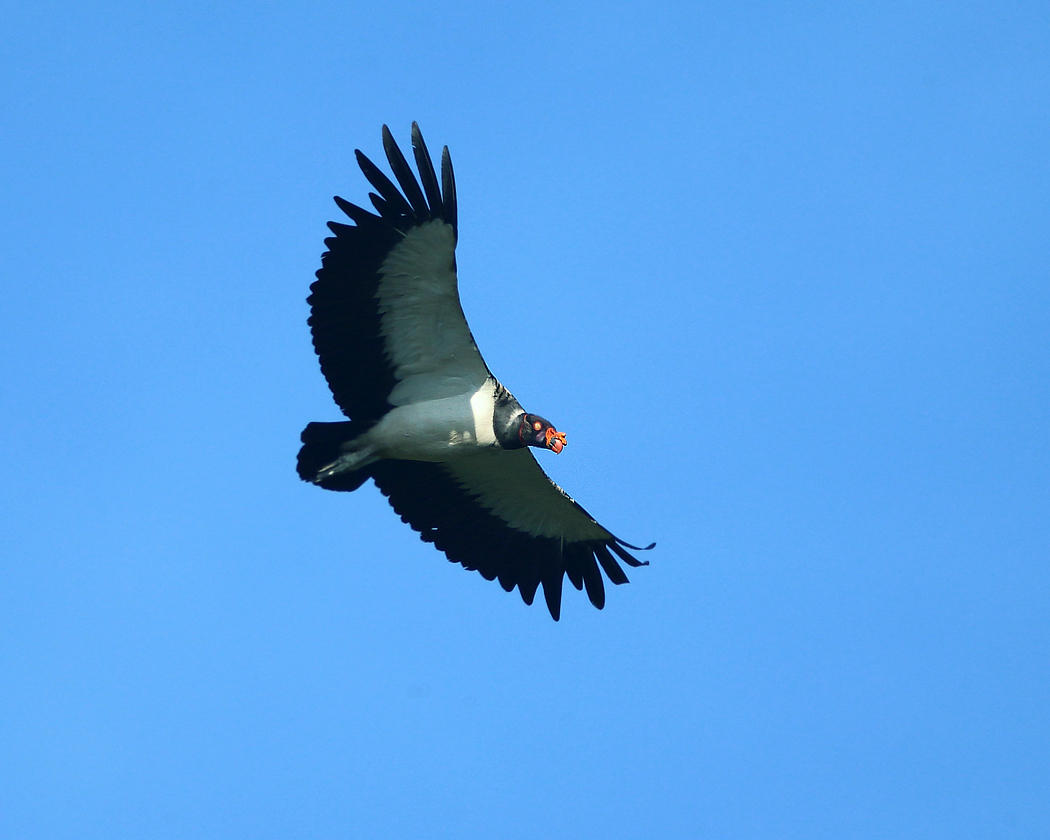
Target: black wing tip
(527, 590)
(417, 136)
(554, 607)
(420, 198)
(448, 190)
(619, 548)
(626, 544)
(590, 578)
(357, 214)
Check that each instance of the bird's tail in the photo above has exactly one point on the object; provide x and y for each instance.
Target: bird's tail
(326, 460)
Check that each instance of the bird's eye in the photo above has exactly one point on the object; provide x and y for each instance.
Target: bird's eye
(537, 425)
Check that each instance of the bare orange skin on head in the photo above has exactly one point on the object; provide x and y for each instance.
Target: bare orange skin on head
(555, 441)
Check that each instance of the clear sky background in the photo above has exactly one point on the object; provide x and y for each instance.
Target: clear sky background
(780, 270)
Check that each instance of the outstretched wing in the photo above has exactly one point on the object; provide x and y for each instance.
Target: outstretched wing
(385, 314)
(498, 513)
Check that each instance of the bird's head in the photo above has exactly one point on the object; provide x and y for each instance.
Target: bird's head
(537, 431)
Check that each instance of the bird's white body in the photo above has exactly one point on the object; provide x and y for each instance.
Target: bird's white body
(435, 430)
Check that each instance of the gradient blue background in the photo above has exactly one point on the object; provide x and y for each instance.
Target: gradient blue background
(780, 270)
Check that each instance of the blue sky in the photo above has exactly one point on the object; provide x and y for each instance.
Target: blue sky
(781, 272)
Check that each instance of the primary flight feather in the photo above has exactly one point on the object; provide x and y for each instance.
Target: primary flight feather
(441, 438)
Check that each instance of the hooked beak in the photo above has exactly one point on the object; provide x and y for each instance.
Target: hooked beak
(555, 441)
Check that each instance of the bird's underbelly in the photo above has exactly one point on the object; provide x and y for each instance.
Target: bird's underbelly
(436, 430)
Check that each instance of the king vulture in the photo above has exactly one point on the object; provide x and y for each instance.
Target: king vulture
(443, 440)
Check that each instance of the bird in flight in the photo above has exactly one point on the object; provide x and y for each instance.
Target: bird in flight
(443, 440)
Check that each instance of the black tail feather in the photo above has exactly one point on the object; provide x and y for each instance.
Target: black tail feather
(323, 444)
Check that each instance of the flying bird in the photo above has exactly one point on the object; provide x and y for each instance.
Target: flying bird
(443, 440)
